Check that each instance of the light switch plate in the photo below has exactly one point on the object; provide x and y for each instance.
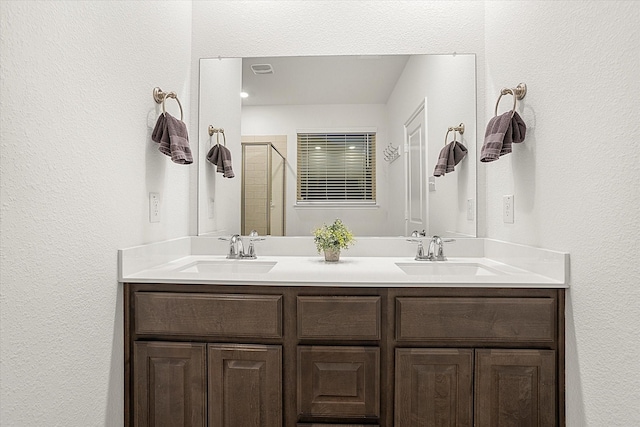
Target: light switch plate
(507, 209)
(154, 207)
(470, 210)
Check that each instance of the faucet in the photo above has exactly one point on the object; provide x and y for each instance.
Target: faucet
(435, 251)
(236, 246)
(437, 244)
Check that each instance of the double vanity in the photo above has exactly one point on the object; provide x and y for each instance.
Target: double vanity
(377, 339)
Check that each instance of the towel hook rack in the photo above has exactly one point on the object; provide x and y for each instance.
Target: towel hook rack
(518, 93)
(160, 97)
(218, 131)
(454, 129)
(391, 153)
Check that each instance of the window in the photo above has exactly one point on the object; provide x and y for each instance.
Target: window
(336, 168)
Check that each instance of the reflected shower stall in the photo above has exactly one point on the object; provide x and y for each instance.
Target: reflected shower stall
(263, 189)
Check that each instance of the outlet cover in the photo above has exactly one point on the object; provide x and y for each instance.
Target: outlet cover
(507, 209)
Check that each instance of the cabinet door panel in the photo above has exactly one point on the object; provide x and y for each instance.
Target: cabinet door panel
(339, 382)
(245, 385)
(515, 388)
(169, 384)
(433, 387)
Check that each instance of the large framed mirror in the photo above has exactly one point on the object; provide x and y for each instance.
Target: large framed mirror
(352, 137)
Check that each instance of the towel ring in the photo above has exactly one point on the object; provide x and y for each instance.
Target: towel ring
(160, 97)
(218, 131)
(518, 93)
(454, 129)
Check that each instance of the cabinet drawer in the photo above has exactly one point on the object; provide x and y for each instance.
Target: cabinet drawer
(479, 319)
(339, 382)
(201, 314)
(339, 317)
(337, 425)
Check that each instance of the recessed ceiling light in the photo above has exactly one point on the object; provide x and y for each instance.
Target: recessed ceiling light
(244, 95)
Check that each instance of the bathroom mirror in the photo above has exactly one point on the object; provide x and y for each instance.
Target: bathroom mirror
(407, 102)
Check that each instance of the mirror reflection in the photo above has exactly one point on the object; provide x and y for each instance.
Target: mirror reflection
(352, 137)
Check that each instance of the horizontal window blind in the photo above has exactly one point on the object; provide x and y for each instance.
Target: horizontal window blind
(336, 167)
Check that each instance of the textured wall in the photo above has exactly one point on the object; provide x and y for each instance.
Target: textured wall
(76, 165)
(575, 180)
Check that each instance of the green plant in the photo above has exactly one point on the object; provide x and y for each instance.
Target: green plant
(335, 236)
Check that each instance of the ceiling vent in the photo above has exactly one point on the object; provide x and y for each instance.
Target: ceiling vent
(262, 69)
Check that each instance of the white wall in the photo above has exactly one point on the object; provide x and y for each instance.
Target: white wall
(77, 164)
(78, 77)
(575, 180)
(288, 120)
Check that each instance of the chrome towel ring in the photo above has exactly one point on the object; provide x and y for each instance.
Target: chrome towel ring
(160, 97)
(518, 93)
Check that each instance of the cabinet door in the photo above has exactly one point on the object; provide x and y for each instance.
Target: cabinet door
(433, 387)
(169, 384)
(245, 385)
(338, 382)
(515, 388)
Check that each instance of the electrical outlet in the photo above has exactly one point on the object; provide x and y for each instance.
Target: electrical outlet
(154, 207)
(470, 210)
(507, 209)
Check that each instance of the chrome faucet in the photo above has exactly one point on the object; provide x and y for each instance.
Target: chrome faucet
(420, 256)
(436, 249)
(236, 246)
(435, 252)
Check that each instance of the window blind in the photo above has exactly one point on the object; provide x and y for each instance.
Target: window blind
(336, 167)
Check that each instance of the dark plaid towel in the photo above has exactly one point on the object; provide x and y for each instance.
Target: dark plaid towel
(450, 156)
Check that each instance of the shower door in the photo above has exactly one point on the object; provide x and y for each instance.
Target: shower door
(263, 184)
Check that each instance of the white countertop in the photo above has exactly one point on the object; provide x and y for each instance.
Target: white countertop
(500, 264)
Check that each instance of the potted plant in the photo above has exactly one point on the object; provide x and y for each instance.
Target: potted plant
(332, 238)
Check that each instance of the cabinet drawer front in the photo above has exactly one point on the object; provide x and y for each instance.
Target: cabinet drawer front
(339, 317)
(531, 320)
(339, 382)
(337, 425)
(200, 314)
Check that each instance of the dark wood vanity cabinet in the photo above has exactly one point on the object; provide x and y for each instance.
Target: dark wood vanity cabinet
(226, 356)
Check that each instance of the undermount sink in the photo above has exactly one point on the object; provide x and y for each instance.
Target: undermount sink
(229, 266)
(445, 268)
